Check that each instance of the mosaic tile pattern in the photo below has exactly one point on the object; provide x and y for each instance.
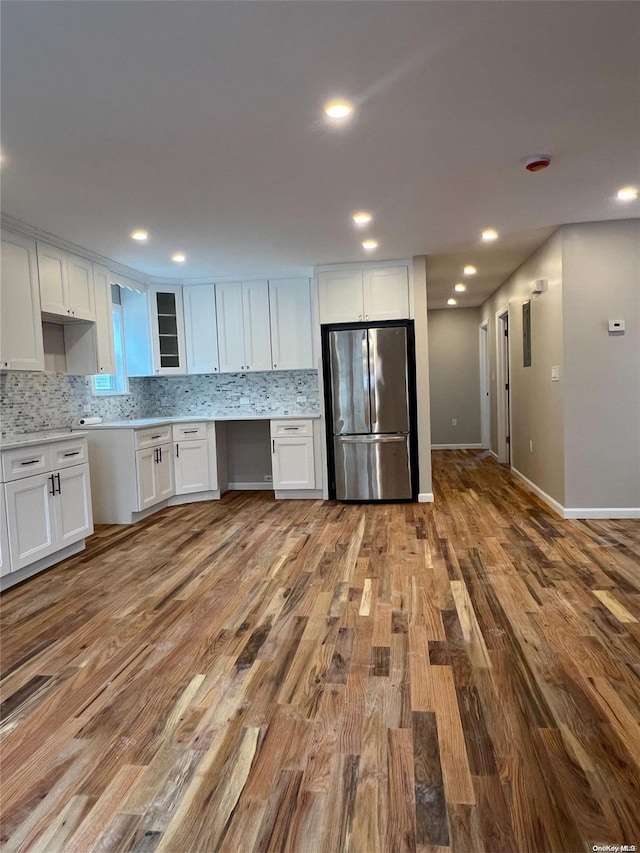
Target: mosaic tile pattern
(39, 401)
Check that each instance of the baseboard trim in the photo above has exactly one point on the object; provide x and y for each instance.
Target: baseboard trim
(250, 487)
(602, 512)
(48, 562)
(494, 454)
(551, 502)
(425, 498)
(577, 512)
(456, 446)
(298, 494)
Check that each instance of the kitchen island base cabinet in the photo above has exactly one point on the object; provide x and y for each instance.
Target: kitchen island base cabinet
(293, 459)
(135, 472)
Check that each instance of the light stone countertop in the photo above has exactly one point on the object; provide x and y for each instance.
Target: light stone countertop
(146, 422)
(50, 436)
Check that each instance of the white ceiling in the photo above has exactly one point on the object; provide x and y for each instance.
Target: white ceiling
(202, 122)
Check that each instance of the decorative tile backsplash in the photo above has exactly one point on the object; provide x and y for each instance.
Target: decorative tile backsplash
(37, 401)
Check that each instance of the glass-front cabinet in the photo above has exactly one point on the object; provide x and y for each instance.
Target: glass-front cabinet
(168, 330)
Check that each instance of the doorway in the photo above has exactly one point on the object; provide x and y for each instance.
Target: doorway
(484, 387)
(503, 397)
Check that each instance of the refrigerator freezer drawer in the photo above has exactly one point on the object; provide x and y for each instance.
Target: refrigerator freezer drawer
(372, 467)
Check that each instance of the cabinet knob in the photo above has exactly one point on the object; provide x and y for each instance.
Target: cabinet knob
(275, 365)
(359, 316)
(247, 367)
(366, 316)
(215, 369)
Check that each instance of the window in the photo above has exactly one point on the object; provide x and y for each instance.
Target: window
(114, 383)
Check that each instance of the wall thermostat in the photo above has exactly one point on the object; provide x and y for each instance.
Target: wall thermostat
(616, 327)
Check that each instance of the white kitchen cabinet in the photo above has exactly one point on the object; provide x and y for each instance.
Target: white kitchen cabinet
(49, 510)
(21, 346)
(66, 284)
(292, 454)
(154, 336)
(191, 457)
(367, 294)
(201, 331)
(290, 316)
(5, 565)
(137, 471)
(154, 475)
(242, 313)
(89, 347)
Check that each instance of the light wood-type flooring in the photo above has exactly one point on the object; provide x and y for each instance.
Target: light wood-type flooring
(253, 675)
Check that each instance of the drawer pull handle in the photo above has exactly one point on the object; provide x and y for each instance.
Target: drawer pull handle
(295, 429)
(75, 453)
(30, 462)
(159, 435)
(189, 431)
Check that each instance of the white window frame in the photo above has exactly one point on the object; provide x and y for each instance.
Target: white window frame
(120, 380)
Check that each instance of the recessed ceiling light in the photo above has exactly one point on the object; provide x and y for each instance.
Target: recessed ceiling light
(369, 245)
(452, 301)
(362, 217)
(338, 109)
(628, 194)
(139, 235)
(489, 234)
(460, 287)
(178, 257)
(469, 270)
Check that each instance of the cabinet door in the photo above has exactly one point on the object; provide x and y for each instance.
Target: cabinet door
(137, 332)
(105, 352)
(257, 334)
(80, 284)
(164, 473)
(340, 295)
(293, 465)
(5, 565)
(230, 326)
(21, 345)
(30, 520)
(167, 323)
(54, 285)
(146, 478)
(200, 328)
(191, 466)
(74, 519)
(290, 312)
(386, 293)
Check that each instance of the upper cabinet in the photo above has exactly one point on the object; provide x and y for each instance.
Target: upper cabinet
(154, 331)
(89, 347)
(359, 295)
(20, 323)
(66, 284)
(290, 313)
(242, 313)
(200, 326)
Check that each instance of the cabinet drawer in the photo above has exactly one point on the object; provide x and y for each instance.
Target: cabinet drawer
(187, 432)
(290, 428)
(68, 453)
(25, 461)
(151, 436)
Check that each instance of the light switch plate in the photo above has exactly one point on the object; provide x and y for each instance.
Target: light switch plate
(555, 373)
(616, 327)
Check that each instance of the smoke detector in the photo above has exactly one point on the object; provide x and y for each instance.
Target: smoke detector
(536, 164)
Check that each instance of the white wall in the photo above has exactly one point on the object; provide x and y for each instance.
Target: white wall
(601, 280)
(536, 402)
(419, 296)
(454, 371)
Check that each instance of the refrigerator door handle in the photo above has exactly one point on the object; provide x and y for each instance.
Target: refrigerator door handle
(370, 439)
(373, 403)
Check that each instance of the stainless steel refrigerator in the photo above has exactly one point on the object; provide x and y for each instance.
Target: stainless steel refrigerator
(369, 395)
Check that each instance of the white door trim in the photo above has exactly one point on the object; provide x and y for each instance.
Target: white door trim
(483, 337)
(502, 371)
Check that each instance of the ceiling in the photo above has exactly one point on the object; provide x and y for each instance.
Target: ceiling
(203, 123)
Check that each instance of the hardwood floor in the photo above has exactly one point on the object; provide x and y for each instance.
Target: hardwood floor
(304, 676)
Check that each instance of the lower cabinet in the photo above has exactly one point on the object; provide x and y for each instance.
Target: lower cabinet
(292, 455)
(5, 565)
(154, 475)
(46, 512)
(191, 465)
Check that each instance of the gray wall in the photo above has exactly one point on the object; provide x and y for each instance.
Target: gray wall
(536, 402)
(454, 375)
(601, 280)
(421, 324)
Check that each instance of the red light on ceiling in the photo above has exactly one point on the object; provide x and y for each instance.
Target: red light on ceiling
(536, 164)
